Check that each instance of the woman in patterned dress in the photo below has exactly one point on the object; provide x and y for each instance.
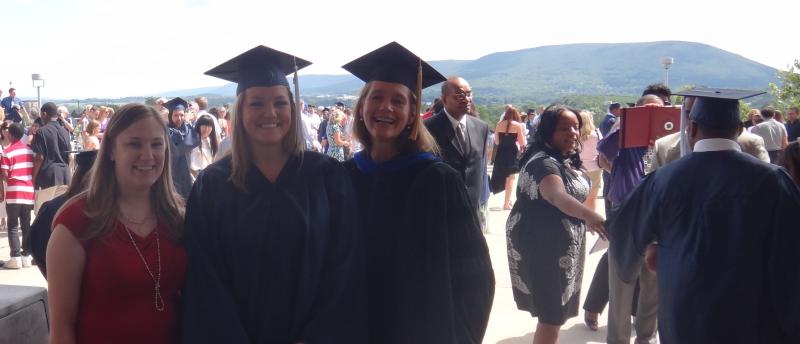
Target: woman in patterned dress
(546, 226)
(336, 136)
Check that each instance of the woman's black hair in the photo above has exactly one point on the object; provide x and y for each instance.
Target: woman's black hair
(548, 121)
(206, 120)
(15, 131)
(5, 125)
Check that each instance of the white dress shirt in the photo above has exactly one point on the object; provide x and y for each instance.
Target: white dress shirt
(716, 145)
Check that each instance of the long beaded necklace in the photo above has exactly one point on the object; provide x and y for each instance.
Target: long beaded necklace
(158, 300)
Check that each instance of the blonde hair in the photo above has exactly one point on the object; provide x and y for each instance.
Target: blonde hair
(337, 116)
(424, 142)
(588, 124)
(241, 153)
(102, 112)
(103, 191)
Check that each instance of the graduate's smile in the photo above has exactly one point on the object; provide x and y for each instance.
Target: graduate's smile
(267, 114)
(387, 110)
(268, 125)
(380, 119)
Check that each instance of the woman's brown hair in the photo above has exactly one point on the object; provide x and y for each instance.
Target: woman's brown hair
(103, 191)
(424, 141)
(511, 115)
(240, 152)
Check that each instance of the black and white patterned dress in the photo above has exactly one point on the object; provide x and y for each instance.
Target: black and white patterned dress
(546, 246)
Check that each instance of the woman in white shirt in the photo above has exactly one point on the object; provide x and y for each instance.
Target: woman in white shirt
(203, 155)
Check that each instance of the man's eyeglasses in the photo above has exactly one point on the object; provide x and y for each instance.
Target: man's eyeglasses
(462, 95)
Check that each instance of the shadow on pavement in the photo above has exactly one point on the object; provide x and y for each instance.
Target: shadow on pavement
(576, 334)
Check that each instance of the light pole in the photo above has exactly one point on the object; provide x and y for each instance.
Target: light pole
(38, 82)
(666, 61)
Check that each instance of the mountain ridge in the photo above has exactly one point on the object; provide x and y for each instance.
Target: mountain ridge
(550, 72)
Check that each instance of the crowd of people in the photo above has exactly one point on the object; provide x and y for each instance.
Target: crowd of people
(291, 223)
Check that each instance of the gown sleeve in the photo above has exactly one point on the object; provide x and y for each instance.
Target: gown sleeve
(783, 276)
(40, 231)
(340, 303)
(633, 227)
(445, 267)
(609, 146)
(183, 139)
(209, 311)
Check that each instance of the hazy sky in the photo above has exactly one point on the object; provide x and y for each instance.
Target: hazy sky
(106, 48)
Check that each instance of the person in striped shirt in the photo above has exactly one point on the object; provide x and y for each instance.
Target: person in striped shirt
(17, 170)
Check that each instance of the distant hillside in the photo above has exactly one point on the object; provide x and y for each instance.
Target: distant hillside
(597, 69)
(551, 72)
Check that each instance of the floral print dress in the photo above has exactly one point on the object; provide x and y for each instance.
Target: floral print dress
(546, 246)
(334, 150)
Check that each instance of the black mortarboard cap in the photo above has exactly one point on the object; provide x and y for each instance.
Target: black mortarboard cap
(84, 158)
(260, 66)
(717, 107)
(394, 63)
(175, 103)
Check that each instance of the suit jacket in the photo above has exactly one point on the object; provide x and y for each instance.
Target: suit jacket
(668, 149)
(754, 145)
(471, 165)
(665, 150)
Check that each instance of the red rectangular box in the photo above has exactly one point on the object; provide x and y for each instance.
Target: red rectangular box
(642, 126)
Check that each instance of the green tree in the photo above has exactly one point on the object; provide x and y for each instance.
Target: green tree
(788, 93)
(150, 101)
(744, 109)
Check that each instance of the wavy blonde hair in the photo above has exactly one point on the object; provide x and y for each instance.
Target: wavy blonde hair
(240, 152)
(588, 124)
(424, 142)
(337, 116)
(103, 191)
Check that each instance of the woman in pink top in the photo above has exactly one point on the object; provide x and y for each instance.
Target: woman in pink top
(589, 138)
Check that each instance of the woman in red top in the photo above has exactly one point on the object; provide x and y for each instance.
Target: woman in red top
(114, 265)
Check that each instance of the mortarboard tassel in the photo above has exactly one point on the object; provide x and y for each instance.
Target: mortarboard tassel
(414, 132)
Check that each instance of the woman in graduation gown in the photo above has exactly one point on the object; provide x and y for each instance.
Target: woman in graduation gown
(429, 275)
(271, 230)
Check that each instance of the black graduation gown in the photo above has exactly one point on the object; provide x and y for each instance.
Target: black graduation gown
(429, 274)
(182, 141)
(727, 248)
(279, 264)
(41, 230)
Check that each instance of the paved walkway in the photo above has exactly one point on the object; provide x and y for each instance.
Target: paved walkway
(507, 325)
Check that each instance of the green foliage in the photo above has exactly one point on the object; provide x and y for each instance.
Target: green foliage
(744, 109)
(491, 113)
(150, 101)
(788, 93)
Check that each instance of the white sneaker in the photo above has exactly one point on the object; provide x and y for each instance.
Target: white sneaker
(27, 261)
(14, 263)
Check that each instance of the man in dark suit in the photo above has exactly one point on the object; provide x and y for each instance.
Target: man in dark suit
(461, 138)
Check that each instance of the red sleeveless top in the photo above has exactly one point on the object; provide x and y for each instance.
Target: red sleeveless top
(117, 294)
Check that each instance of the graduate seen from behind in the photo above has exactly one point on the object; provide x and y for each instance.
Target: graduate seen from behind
(114, 262)
(429, 274)
(725, 226)
(272, 231)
